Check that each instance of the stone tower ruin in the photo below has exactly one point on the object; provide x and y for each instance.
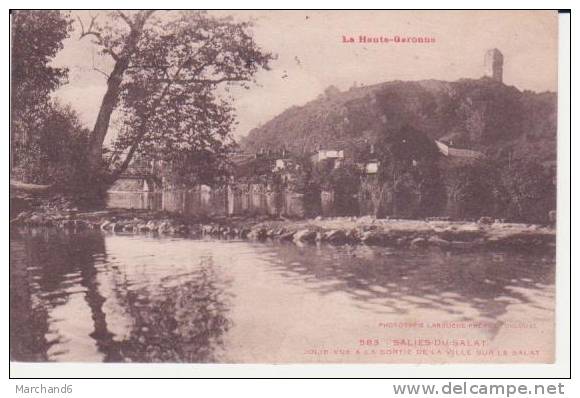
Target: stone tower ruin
(493, 63)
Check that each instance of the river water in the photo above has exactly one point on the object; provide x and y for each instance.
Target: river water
(123, 298)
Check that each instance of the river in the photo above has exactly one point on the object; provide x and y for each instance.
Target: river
(93, 297)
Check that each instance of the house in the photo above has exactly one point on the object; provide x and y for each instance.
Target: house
(284, 164)
(280, 164)
(372, 167)
(334, 157)
(287, 169)
(283, 160)
(240, 158)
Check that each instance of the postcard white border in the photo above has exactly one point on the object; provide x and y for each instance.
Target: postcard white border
(559, 369)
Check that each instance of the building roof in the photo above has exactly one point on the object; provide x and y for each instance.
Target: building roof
(447, 151)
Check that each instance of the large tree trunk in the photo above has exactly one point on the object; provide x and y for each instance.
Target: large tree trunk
(111, 96)
(108, 104)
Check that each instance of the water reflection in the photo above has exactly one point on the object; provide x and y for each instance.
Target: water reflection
(157, 316)
(114, 298)
(401, 280)
(182, 320)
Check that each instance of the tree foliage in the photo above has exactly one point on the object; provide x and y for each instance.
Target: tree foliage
(56, 153)
(529, 191)
(522, 190)
(170, 81)
(36, 38)
(48, 140)
(408, 175)
(476, 189)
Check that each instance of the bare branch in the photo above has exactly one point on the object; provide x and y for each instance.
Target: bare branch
(142, 66)
(99, 70)
(89, 30)
(82, 26)
(97, 35)
(223, 79)
(143, 16)
(125, 18)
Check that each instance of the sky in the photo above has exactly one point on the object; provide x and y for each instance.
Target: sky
(312, 55)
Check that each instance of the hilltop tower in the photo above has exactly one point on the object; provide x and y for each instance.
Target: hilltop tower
(493, 63)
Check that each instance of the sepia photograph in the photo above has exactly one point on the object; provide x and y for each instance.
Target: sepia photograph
(283, 187)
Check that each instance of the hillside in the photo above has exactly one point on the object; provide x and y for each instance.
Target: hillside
(479, 114)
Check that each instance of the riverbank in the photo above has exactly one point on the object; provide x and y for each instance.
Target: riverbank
(461, 235)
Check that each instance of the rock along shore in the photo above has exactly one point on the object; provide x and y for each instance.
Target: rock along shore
(461, 235)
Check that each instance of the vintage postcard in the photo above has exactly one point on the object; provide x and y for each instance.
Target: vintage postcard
(283, 187)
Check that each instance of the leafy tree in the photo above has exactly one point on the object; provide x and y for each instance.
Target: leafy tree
(475, 188)
(408, 178)
(344, 181)
(522, 190)
(56, 153)
(405, 195)
(530, 191)
(306, 181)
(169, 82)
(36, 38)
(430, 188)
(203, 166)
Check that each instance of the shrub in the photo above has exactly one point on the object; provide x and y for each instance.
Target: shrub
(529, 191)
(53, 152)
